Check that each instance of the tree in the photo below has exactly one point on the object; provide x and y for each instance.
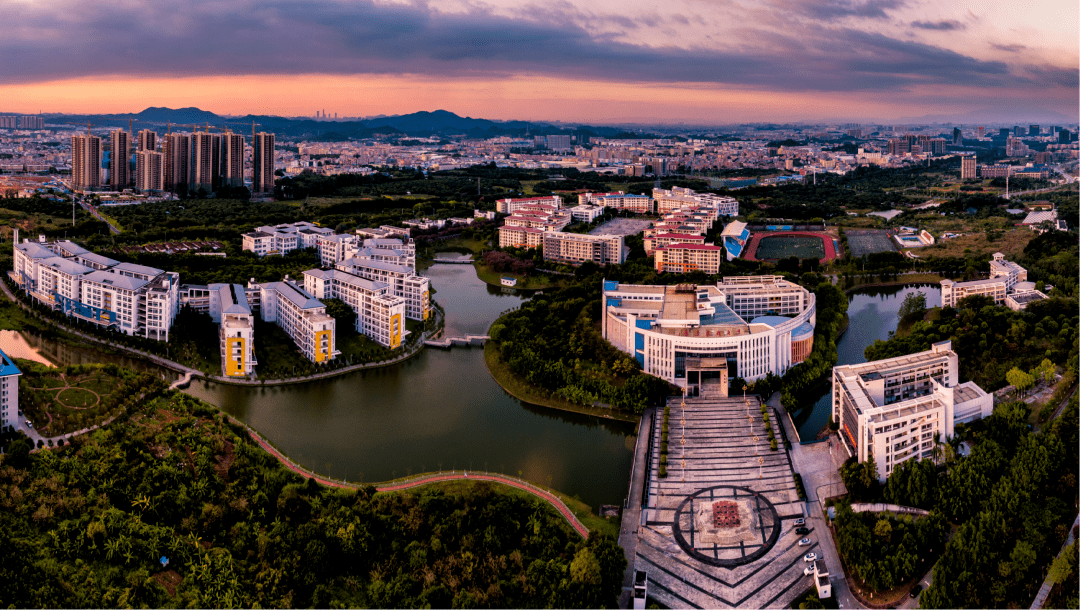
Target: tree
(1019, 379)
(18, 453)
(914, 303)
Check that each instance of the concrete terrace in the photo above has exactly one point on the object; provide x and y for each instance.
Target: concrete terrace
(713, 444)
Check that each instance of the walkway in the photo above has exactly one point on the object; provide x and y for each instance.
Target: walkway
(425, 479)
(631, 517)
(1044, 590)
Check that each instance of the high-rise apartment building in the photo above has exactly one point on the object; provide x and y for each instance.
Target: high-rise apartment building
(119, 161)
(262, 177)
(232, 159)
(177, 161)
(968, 168)
(147, 140)
(1033, 130)
(957, 136)
(149, 170)
(85, 162)
(203, 169)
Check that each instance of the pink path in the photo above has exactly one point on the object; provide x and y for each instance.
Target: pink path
(495, 478)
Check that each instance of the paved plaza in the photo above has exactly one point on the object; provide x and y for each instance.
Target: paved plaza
(622, 226)
(718, 531)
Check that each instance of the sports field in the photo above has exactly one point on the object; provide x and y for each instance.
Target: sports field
(869, 241)
(775, 246)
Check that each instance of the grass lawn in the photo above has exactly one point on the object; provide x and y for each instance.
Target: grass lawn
(1011, 243)
(524, 391)
(101, 386)
(76, 398)
(538, 281)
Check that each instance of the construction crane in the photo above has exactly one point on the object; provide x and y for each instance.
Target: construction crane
(88, 124)
(130, 121)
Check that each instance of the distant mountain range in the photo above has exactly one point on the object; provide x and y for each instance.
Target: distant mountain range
(417, 124)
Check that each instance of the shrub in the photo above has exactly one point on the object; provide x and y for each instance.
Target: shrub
(772, 444)
(663, 472)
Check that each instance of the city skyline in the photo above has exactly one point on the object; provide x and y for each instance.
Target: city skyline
(690, 61)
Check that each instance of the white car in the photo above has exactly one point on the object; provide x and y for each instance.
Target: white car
(804, 542)
(799, 522)
(809, 557)
(809, 571)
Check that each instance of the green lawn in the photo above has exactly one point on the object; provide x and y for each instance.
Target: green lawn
(76, 398)
(538, 281)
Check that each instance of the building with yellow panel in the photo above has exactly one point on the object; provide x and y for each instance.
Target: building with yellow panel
(229, 307)
(380, 315)
(302, 317)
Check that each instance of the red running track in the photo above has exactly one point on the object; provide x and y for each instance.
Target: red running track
(454, 476)
(755, 239)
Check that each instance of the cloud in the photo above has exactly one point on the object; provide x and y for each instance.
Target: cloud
(245, 37)
(833, 10)
(939, 25)
(1012, 48)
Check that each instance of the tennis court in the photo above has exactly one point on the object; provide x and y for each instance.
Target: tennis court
(867, 242)
(775, 247)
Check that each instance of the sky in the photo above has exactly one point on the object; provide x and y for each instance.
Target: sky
(598, 61)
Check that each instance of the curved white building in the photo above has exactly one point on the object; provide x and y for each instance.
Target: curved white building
(755, 324)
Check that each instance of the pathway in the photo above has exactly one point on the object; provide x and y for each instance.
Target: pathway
(1044, 590)
(433, 478)
(631, 517)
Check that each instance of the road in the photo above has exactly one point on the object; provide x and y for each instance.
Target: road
(631, 518)
(819, 467)
(94, 212)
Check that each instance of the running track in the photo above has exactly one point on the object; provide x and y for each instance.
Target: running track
(435, 478)
(751, 248)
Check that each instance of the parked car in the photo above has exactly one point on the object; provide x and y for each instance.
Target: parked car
(29, 424)
(809, 557)
(916, 590)
(809, 571)
(804, 542)
(802, 531)
(799, 522)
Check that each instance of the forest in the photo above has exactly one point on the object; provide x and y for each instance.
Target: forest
(173, 505)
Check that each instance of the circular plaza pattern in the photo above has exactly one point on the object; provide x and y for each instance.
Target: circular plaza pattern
(726, 526)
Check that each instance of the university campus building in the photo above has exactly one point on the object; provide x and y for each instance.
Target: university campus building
(380, 315)
(403, 282)
(1007, 285)
(229, 307)
(9, 393)
(302, 317)
(687, 335)
(891, 409)
(129, 298)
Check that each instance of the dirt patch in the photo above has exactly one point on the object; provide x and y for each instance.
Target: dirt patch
(169, 579)
(225, 461)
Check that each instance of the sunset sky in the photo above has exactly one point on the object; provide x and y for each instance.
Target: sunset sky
(698, 61)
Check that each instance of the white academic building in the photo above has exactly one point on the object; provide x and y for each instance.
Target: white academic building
(1003, 281)
(284, 238)
(229, 307)
(750, 326)
(125, 297)
(302, 317)
(9, 393)
(380, 315)
(891, 409)
(403, 282)
(677, 197)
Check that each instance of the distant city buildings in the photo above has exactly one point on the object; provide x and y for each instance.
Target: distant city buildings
(119, 164)
(895, 410)
(262, 179)
(968, 170)
(86, 152)
(678, 197)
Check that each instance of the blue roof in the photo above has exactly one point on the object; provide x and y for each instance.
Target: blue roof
(7, 367)
(802, 331)
(770, 320)
(723, 315)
